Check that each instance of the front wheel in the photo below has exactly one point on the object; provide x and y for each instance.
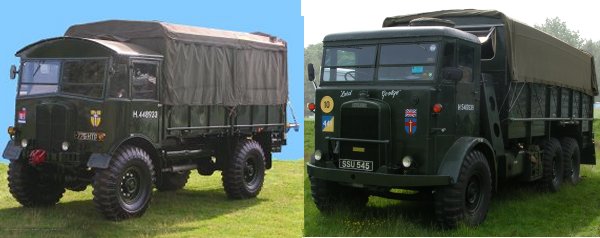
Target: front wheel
(468, 200)
(124, 189)
(243, 177)
(32, 187)
(329, 196)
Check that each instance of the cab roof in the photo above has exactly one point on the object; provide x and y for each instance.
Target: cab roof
(402, 32)
(116, 47)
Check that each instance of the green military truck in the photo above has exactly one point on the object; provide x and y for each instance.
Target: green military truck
(130, 105)
(448, 104)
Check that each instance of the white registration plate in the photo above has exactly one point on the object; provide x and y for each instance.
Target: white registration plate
(356, 164)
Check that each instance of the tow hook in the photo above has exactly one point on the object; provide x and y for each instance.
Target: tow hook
(37, 157)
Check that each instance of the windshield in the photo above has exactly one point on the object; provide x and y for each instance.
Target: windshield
(393, 62)
(76, 77)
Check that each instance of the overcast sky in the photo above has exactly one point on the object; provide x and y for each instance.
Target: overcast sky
(322, 17)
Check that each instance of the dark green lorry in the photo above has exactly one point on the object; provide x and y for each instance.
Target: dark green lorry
(448, 104)
(129, 105)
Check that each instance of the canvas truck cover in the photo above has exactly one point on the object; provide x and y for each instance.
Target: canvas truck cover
(205, 66)
(532, 55)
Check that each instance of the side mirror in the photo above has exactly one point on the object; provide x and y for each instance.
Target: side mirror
(311, 72)
(452, 73)
(13, 71)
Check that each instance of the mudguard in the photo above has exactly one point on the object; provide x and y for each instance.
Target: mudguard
(99, 160)
(454, 157)
(12, 151)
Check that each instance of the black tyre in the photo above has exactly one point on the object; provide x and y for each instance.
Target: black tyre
(468, 200)
(31, 187)
(244, 175)
(124, 189)
(328, 195)
(571, 159)
(552, 163)
(172, 181)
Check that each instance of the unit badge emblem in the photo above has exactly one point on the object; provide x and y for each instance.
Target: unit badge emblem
(95, 117)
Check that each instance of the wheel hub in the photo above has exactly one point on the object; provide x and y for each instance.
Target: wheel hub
(249, 171)
(473, 194)
(130, 185)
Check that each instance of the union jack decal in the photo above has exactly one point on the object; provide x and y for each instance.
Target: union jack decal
(410, 113)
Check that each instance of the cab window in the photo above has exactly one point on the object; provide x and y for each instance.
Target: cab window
(119, 83)
(143, 80)
(465, 62)
(83, 77)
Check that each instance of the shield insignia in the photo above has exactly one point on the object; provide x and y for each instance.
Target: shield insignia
(410, 125)
(95, 117)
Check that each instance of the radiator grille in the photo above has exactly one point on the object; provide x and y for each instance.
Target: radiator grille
(360, 123)
(50, 126)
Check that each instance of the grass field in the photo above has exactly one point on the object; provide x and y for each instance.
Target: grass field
(516, 210)
(201, 209)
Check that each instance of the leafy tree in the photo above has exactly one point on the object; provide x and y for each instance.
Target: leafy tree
(558, 28)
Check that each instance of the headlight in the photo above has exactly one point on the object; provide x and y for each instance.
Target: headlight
(317, 155)
(65, 146)
(12, 130)
(407, 161)
(24, 143)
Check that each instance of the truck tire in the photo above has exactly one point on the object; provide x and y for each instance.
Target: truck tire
(328, 196)
(244, 174)
(468, 200)
(31, 189)
(572, 159)
(552, 163)
(172, 181)
(124, 189)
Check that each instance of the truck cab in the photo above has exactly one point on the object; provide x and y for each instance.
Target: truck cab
(75, 95)
(395, 99)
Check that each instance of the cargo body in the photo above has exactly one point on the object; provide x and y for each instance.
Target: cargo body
(449, 103)
(140, 104)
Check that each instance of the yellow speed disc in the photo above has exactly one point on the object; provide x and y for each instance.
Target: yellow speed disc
(326, 104)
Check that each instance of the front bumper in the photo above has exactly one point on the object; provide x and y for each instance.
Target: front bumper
(14, 152)
(376, 179)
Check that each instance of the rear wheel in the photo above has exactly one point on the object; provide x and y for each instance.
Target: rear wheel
(172, 181)
(552, 163)
(328, 195)
(124, 189)
(571, 159)
(32, 187)
(243, 177)
(467, 200)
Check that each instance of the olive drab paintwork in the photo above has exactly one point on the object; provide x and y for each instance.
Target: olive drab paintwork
(434, 107)
(92, 109)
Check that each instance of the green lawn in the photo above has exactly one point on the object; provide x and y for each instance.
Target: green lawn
(201, 209)
(516, 210)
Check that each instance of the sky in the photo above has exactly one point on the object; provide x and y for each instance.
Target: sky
(322, 17)
(25, 23)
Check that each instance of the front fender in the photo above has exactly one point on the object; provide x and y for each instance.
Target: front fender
(102, 160)
(12, 151)
(455, 156)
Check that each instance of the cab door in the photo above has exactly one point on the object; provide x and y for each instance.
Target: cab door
(145, 106)
(467, 92)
